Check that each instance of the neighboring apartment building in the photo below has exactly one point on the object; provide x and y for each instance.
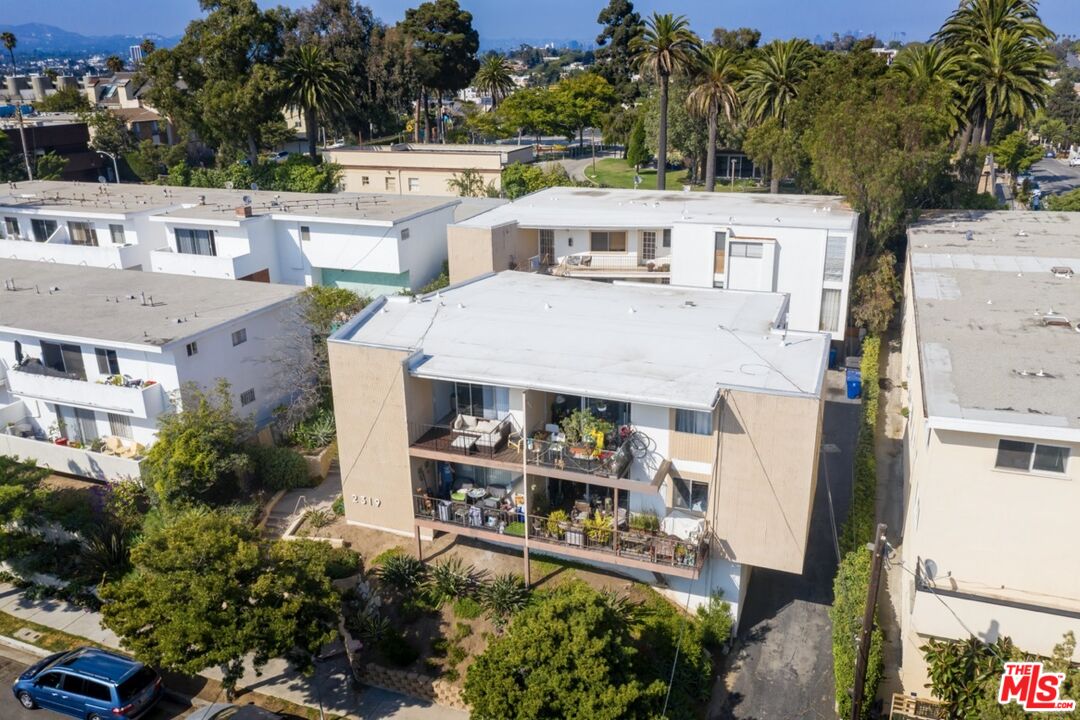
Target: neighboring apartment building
(422, 169)
(991, 471)
(367, 243)
(802, 245)
(90, 358)
(451, 411)
(64, 134)
(33, 88)
(124, 95)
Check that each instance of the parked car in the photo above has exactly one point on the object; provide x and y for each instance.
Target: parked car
(225, 711)
(280, 156)
(91, 684)
(1051, 154)
(1074, 161)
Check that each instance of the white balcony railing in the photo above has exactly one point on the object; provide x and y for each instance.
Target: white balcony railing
(140, 402)
(66, 459)
(108, 256)
(215, 266)
(586, 263)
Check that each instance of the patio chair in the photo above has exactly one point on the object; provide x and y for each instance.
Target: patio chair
(664, 550)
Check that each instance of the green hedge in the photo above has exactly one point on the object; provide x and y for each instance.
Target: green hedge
(279, 468)
(853, 575)
(849, 603)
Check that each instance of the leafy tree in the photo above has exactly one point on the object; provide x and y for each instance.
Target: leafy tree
(519, 179)
(1064, 104)
(197, 448)
(714, 91)
(19, 484)
(444, 49)
(494, 78)
(778, 148)
(1054, 131)
(114, 63)
(470, 183)
(1016, 153)
(108, 132)
(637, 154)
(149, 160)
(50, 166)
(147, 46)
(617, 125)
(582, 100)
(621, 24)
(960, 671)
(66, 99)
(570, 656)
(392, 79)
(1066, 202)
(204, 594)
(530, 111)
(231, 90)
(297, 174)
(849, 604)
(666, 47)
(739, 40)
(317, 86)
(939, 65)
(876, 293)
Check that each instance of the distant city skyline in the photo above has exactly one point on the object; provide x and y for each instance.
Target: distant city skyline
(561, 19)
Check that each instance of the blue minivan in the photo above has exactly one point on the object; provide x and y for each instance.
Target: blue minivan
(90, 683)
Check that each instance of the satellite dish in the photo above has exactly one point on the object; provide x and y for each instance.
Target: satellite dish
(247, 199)
(254, 186)
(930, 569)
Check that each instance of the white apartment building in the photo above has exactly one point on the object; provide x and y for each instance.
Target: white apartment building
(456, 414)
(91, 357)
(802, 245)
(370, 244)
(991, 471)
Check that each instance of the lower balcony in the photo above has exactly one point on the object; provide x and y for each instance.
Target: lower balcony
(669, 545)
(117, 257)
(214, 266)
(611, 264)
(69, 459)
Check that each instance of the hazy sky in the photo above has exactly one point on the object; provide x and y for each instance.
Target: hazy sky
(557, 18)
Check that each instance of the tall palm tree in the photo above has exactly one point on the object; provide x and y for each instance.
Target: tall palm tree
(115, 63)
(938, 65)
(317, 86)
(664, 48)
(494, 78)
(715, 90)
(773, 80)
(9, 41)
(1007, 77)
(975, 21)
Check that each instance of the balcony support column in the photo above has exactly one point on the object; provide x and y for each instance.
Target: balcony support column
(615, 522)
(419, 547)
(525, 478)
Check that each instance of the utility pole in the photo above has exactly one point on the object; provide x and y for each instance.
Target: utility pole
(868, 623)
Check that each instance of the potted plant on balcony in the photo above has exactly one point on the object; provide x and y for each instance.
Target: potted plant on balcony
(585, 433)
(598, 528)
(557, 523)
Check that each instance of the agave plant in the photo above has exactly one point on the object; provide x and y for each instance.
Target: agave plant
(451, 579)
(628, 611)
(372, 627)
(106, 551)
(502, 597)
(402, 572)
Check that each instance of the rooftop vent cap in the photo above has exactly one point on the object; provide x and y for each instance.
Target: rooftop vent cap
(1062, 271)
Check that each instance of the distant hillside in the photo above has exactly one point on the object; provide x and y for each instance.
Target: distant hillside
(40, 39)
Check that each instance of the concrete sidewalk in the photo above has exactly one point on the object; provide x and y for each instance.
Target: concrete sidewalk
(331, 687)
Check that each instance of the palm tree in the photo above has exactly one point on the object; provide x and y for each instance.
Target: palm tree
(317, 86)
(665, 47)
(773, 79)
(115, 63)
(715, 90)
(494, 78)
(975, 21)
(9, 41)
(938, 65)
(147, 46)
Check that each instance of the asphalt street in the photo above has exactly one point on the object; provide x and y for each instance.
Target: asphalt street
(12, 664)
(1055, 176)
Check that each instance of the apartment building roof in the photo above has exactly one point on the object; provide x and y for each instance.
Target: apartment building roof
(661, 345)
(210, 204)
(997, 307)
(108, 305)
(563, 207)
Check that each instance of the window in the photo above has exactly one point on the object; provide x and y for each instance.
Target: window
(830, 310)
(136, 683)
(305, 233)
(65, 359)
(49, 680)
(43, 229)
(648, 245)
(1026, 456)
(547, 247)
(192, 348)
(746, 250)
(247, 397)
(690, 495)
(603, 241)
(82, 233)
(106, 361)
(239, 337)
(404, 234)
(667, 238)
(617, 413)
(390, 184)
(365, 180)
(87, 688)
(835, 249)
(693, 421)
(87, 424)
(484, 401)
(414, 184)
(11, 228)
(195, 242)
(719, 240)
(119, 425)
(116, 232)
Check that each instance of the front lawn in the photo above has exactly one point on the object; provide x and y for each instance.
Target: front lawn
(616, 173)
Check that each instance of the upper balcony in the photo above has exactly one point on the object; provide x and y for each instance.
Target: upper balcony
(117, 257)
(609, 265)
(214, 266)
(119, 395)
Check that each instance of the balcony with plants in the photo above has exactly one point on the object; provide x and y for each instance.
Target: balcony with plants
(120, 394)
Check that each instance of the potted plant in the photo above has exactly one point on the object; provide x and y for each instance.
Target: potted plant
(646, 521)
(598, 528)
(585, 430)
(557, 523)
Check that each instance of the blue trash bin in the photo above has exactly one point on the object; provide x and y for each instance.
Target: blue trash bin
(854, 384)
(832, 358)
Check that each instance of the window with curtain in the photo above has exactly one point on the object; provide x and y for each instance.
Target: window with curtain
(690, 495)
(195, 242)
(485, 401)
(830, 310)
(835, 249)
(694, 422)
(43, 229)
(603, 241)
(117, 234)
(82, 233)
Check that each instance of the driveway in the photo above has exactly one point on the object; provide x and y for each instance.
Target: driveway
(1055, 176)
(781, 665)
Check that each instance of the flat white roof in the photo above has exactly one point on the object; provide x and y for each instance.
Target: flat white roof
(658, 345)
(563, 207)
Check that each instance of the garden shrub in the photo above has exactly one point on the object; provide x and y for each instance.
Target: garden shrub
(316, 431)
(338, 507)
(467, 609)
(396, 650)
(343, 563)
(716, 621)
(279, 468)
(859, 528)
(846, 613)
(401, 572)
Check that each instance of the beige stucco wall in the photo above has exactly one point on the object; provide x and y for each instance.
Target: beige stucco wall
(475, 251)
(432, 171)
(767, 474)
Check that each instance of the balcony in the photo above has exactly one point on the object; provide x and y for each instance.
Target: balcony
(589, 535)
(611, 264)
(141, 399)
(107, 256)
(72, 460)
(214, 266)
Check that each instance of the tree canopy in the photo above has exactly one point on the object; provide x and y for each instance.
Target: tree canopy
(621, 24)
